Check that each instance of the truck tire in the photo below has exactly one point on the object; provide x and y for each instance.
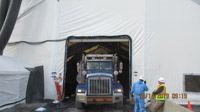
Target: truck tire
(79, 105)
(119, 105)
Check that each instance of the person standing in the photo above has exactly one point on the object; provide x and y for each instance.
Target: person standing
(159, 94)
(138, 89)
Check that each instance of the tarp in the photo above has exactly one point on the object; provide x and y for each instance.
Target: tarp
(164, 36)
(66, 18)
(13, 81)
(172, 45)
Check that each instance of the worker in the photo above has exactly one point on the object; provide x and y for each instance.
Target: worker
(159, 94)
(138, 89)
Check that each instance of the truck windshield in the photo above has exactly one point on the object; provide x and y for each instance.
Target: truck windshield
(99, 65)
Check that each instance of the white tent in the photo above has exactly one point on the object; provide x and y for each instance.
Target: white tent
(165, 36)
(13, 81)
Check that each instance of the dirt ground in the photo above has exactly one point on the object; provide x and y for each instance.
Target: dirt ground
(24, 107)
(195, 108)
(68, 105)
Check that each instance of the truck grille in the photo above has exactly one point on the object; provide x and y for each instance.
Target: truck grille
(99, 86)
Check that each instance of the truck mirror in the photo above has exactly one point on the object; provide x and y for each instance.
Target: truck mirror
(120, 67)
(78, 66)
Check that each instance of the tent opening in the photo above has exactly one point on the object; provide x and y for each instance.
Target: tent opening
(96, 45)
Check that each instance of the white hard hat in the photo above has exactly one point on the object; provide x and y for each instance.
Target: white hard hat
(161, 79)
(142, 78)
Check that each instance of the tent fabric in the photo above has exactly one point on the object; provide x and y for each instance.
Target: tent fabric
(51, 61)
(164, 36)
(13, 80)
(172, 44)
(59, 21)
(11, 66)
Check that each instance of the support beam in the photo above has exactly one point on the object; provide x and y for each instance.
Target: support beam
(80, 47)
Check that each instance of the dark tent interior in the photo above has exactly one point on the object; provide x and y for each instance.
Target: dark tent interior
(74, 52)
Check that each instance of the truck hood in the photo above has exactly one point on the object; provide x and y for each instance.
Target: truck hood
(99, 72)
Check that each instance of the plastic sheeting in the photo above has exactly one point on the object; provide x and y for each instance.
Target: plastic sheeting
(35, 87)
(13, 80)
(165, 36)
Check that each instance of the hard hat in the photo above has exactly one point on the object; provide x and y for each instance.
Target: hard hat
(142, 78)
(161, 79)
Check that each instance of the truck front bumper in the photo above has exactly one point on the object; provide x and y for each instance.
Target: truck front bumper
(115, 98)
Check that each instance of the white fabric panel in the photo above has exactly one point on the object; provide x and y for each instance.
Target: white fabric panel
(37, 24)
(165, 36)
(52, 20)
(172, 44)
(12, 66)
(94, 17)
(106, 17)
(28, 5)
(58, 57)
(12, 87)
(50, 55)
(13, 80)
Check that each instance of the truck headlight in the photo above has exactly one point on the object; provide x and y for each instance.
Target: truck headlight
(81, 90)
(118, 90)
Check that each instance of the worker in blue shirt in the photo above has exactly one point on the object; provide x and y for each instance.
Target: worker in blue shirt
(138, 89)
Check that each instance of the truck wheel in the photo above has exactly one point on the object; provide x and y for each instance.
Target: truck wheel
(79, 105)
(119, 105)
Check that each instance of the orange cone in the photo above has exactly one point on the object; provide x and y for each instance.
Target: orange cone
(189, 106)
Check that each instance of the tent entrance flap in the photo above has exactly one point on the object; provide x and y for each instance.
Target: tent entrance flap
(76, 46)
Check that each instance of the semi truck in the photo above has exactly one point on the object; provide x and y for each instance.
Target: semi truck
(97, 80)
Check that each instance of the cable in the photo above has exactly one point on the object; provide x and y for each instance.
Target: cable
(35, 43)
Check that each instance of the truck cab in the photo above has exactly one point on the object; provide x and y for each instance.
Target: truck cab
(97, 80)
